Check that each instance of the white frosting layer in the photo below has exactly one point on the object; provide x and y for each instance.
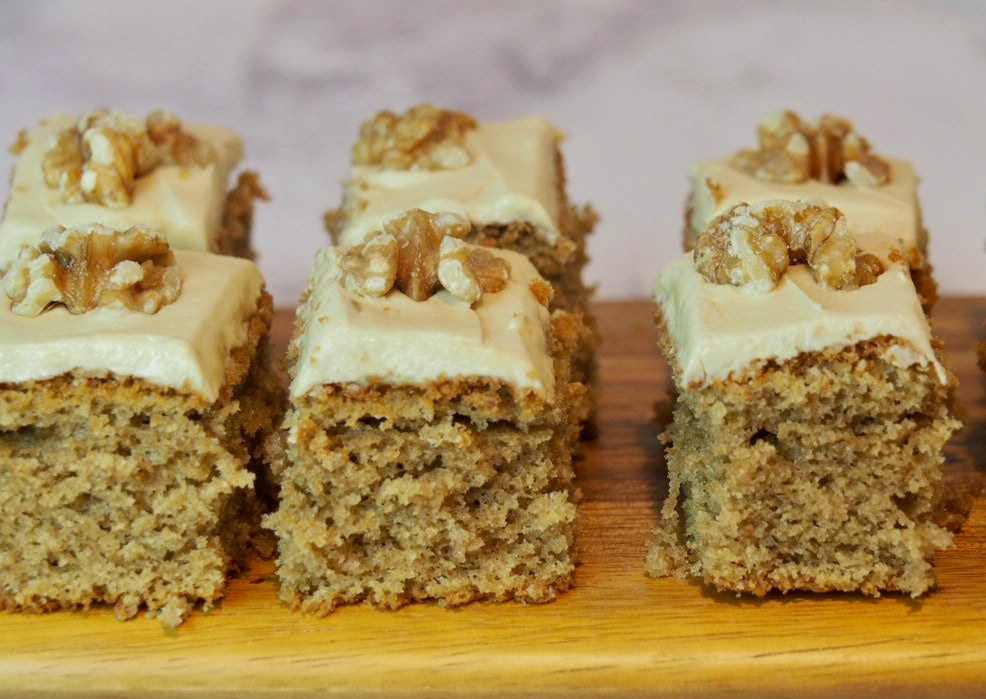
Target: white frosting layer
(356, 339)
(878, 217)
(513, 177)
(185, 345)
(718, 330)
(183, 203)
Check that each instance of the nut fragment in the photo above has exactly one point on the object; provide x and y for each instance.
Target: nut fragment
(85, 267)
(109, 173)
(423, 138)
(176, 146)
(371, 268)
(829, 150)
(99, 158)
(785, 152)
(420, 237)
(753, 245)
(62, 166)
(491, 271)
(419, 253)
(467, 272)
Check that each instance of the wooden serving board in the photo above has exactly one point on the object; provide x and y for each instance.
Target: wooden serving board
(618, 633)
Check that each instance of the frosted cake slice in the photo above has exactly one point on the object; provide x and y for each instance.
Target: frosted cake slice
(427, 450)
(118, 170)
(812, 410)
(506, 178)
(135, 391)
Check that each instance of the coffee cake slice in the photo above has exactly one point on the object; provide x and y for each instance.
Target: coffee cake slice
(506, 178)
(427, 450)
(128, 435)
(812, 409)
(112, 168)
(826, 159)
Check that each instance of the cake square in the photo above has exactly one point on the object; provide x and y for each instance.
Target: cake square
(185, 199)
(882, 215)
(427, 450)
(506, 178)
(805, 450)
(127, 442)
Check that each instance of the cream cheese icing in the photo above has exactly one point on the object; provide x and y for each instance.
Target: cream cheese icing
(880, 218)
(183, 203)
(185, 345)
(719, 330)
(346, 338)
(513, 176)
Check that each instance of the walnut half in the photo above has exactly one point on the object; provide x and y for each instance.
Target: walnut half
(99, 158)
(422, 138)
(753, 245)
(88, 266)
(420, 253)
(829, 150)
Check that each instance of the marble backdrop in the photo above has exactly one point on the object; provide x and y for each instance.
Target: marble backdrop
(641, 87)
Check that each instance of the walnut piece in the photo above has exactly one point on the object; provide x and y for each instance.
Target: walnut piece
(62, 166)
(100, 158)
(753, 245)
(467, 272)
(792, 150)
(88, 266)
(423, 138)
(420, 253)
(419, 236)
(371, 268)
(174, 145)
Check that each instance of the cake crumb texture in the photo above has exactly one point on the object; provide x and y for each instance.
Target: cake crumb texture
(116, 491)
(453, 491)
(822, 473)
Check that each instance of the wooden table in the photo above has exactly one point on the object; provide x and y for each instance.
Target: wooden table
(618, 633)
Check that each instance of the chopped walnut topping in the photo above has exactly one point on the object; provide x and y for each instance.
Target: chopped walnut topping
(371, 268)
(829, 150)
(420, 237)
(785, 150)
(111, 162)
(62, 166)
(419, 253)
(467, 272)
(423, 138)
(85, 267)
(491, 272)
(99, 158)
(753, 245)
(176, 146)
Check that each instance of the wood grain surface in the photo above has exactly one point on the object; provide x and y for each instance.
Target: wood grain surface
(617, 634)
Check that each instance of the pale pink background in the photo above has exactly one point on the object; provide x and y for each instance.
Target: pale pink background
(642, 88)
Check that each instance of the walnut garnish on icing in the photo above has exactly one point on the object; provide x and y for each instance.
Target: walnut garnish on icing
(752, 245)
(467, 271)
(370, 269)
(100, 157)
(829, 150)
(420, 253)
(422, 138)
(85, 267)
